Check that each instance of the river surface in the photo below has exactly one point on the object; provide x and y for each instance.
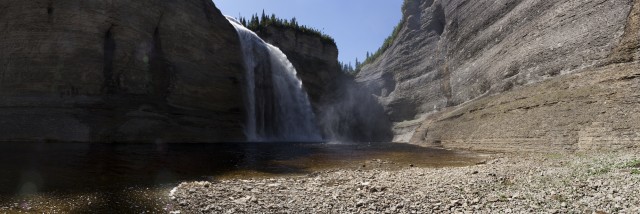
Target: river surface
(41, 169)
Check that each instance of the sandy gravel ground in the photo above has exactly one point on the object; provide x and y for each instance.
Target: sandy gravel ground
(130, 200)
(605, 182)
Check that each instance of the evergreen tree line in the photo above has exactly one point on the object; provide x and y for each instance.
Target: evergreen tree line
(258, 23)
(353, 70)
(347, 68)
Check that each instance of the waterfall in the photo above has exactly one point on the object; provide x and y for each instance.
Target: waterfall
(278, 108)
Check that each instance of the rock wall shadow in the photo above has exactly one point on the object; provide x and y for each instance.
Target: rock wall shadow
(75, 167)
(354, 114)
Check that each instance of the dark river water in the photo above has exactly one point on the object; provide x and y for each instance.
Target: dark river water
(42, 167)
(67, 168)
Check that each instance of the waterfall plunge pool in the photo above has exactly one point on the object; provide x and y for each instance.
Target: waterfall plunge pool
(115, 172)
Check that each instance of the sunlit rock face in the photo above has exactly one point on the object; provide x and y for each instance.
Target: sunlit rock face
(451, 52)
(144, 70)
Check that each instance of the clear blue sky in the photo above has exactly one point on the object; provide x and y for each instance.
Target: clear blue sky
(357, 26)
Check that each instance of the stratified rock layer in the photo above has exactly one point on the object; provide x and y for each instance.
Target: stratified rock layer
(315, 59)
(344, 111)
(452, 52)
(149, 70)
(594, 109)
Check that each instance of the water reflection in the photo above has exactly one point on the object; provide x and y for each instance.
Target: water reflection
(30, 168)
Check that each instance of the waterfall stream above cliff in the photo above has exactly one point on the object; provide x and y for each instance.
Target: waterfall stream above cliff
(278, 108)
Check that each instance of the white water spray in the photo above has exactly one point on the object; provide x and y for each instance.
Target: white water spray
(278, 108)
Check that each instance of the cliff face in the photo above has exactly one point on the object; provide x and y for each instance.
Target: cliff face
(597, 108)
(315, 59)
(148, 70)
(344, 111)
(450, 55)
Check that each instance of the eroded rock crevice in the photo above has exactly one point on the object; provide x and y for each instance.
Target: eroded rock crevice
(109, 85)
(159, 68)
(50, 8)
(438, 19)
(628, 48)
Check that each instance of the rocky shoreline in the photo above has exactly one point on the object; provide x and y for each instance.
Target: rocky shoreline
(589, 182)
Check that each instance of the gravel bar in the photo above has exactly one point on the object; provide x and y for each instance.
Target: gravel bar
(604, 182)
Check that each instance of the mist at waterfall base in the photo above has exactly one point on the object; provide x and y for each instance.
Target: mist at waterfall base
(354, 114)
(278, 108)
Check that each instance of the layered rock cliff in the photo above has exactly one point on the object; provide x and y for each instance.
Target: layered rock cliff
(341, 112)
(315, 59)
(483, 74)
(145, 70)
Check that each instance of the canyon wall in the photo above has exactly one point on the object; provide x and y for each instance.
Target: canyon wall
(510, 75)
(315, 59)
(119, 70)
(344, 110)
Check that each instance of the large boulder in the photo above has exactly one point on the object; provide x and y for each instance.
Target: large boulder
(119, 70)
